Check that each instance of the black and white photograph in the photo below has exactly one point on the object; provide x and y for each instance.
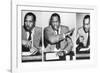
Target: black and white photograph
(58, 37)
(52, 37)
(55, 36)
(83, 36)
(31, 38)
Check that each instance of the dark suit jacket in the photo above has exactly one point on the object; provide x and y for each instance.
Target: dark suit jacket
(37, 36)
(65, 44)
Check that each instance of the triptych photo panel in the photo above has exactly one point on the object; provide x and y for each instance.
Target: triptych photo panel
(54, 36)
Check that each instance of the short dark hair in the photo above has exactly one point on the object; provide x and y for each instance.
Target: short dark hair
(29, 14)
(85, 17)
(54, 14)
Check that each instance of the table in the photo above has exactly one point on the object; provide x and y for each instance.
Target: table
(61, 58)
(31, 58)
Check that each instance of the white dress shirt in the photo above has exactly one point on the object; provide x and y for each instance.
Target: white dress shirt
(31, 35)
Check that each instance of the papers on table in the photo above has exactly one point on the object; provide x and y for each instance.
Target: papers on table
(26, 53)
(50, 56)
(84, 49)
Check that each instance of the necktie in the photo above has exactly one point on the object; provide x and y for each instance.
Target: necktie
(29, 35)
(58, 43)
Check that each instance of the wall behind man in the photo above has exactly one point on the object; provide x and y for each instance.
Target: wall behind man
(43, 17)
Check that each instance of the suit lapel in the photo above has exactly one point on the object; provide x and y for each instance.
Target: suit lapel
(24, 34)
(34, 38)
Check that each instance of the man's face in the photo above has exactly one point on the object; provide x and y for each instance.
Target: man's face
(87, 24)
(55, 23)
(29, 23)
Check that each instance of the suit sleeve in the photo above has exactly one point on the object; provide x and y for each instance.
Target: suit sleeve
(51, 37)
(69, 44)
(23, 36)
(38, 39)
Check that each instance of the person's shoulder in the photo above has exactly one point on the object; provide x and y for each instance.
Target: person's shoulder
(23, 29)
(47, 28)
(80, 29)
(38, 28)
(22, 26)
(64, 27)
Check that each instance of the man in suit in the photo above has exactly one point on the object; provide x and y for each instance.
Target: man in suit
(83, 34)
(57, 37)
(31, 35)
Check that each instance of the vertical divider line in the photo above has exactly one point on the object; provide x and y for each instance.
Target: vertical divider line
(75, 35)
(16, 36)
(11, 34)
(42, 45)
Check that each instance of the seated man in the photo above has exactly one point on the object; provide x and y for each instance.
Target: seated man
(57, 37)
(31, 35)
(83, 35)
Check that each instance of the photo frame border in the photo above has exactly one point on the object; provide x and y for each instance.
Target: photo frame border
(14, 62)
